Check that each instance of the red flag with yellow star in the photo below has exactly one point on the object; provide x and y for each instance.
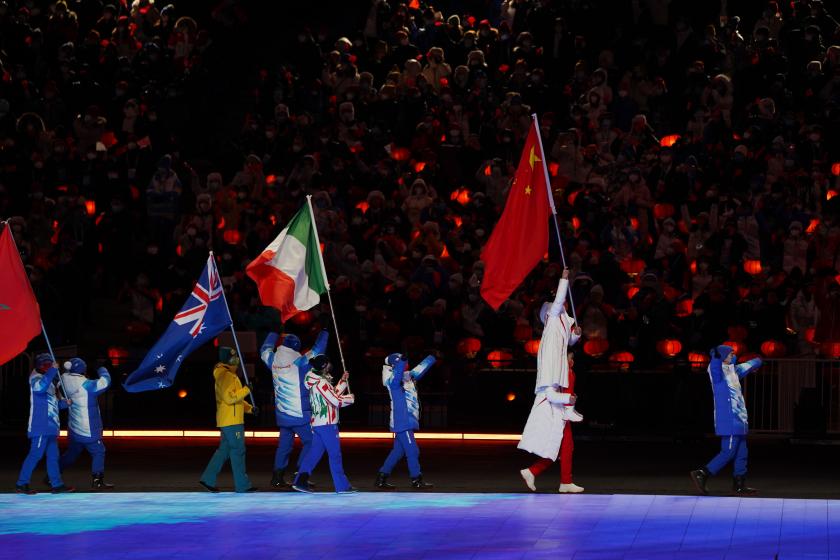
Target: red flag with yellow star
(520, 239)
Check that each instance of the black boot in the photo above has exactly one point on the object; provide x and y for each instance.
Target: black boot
(24, 489)
(418, 483)
(99, 483)
(740, 488)
(301, 484)
(209, 488)
(278, 479)
(699, 478)
(63, 489)
(382, 482)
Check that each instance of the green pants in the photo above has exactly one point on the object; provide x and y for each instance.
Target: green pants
(231, 446)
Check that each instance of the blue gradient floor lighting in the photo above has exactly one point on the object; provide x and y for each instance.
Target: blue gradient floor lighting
(415, 526)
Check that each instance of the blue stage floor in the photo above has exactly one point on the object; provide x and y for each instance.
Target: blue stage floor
(291, 526)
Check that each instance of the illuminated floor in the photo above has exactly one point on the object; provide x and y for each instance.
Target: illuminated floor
(412, 526)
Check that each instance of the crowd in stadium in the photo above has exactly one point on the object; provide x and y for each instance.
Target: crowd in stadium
(694, 166)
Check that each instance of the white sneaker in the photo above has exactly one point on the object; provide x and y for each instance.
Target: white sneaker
(572, 415)
(529, 479)
(570, 489)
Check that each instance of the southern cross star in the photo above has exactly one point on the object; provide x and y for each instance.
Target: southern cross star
(160, 369)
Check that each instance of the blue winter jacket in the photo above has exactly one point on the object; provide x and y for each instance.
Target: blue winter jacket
(730, 408)
(405, 405)
(43, 404)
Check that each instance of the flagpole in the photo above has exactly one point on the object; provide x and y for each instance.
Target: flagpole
(43, 328)
(327, 282)
(553, 208)
(232, 330)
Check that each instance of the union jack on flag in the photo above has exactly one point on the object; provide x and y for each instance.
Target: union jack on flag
(203, 316)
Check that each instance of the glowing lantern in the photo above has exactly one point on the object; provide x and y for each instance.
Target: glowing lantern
(182, 394)
(400, 154)
(301, 318)
(419, 166)
(270, 179)
(684, 307)
(738, 347)
(232, 236)
(697, 359)
(596, 347)
(831, 349)
(633, 266)
(511, 397)
(90, 207)
(499, 358)
(669, 347)
(773, 349)
(737, 333)
(117, 355)
(363, 206)
(668, 141)
(469, 347)
(835, 169)
(752, 267)
(532, 347)
(830, 194)
(522, 331)
(663, 210)
(632, 291)
(622, 358)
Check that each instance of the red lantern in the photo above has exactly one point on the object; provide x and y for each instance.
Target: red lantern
(633, 266)
(469, 347)
(301, 318)
(182, 394)
(232, 236)
(830, 349)
(693, 267)
(576, 222)
(596, 347)
(669, 347)
(522, 331)
(511, 397)
(270, 179)
(809, 334)
(400, 154)
(532, 347)
(835, 169)
(684, 307)
(499, 358)
(738, 347)
(623, 358)
(668, 141)
(697, 359)
(90, 207)
(663, 210)
(117, 355)
(773, 349)
(553, 169)
(752, 267)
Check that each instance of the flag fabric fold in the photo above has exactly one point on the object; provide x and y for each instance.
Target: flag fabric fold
(20, 316)
(289, 273)
(520, 239)
(203, 316)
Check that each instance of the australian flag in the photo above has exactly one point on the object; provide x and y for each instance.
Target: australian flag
(203, 316)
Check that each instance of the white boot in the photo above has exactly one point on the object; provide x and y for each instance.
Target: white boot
(572, 415)
(570, 489)
(529, 479)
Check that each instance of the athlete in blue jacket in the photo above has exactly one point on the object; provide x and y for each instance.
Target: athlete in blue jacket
(730, 419)
(43, 426)
(291, 397)
(405, 418)
(85, 421)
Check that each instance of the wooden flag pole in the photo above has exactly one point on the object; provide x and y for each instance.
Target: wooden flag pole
(233, 331)
(553, 209)
(327, 283)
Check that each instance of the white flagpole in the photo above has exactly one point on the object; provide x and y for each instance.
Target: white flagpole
(43, 328)
(232, 330)
(553, 208)
(327, 282)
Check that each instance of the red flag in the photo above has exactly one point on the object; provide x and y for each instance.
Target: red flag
(520, 239)
(20, 318)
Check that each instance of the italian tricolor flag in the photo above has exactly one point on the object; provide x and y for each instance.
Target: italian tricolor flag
(290, 271)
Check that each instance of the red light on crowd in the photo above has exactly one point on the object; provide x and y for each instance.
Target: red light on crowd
(117, 355)
(522, 332)
(752, 267)
(830, 194)
(596, 347)
(458, 221)
(813, 225)
(634, 223)
(737, 332)
(684, 307)
(400, 154)
(669, 347)
(809, 333)
(830, 349)
(499, 358)
(363, 206)
(632, 291)
(487, 171)
(693, 267)
(221, 224)
(553, 169)
(301, 318)
(576, 222)
(90, 207)
(663, 210)
(445, 253)
(633, 266)
(270, 179)
(419, 166)
(670, 140)
(532, 347)
(773, 349)
(469, 347)
(835, 168)
(572, 197)
(159, 304)
(232, 236)
(462, 196)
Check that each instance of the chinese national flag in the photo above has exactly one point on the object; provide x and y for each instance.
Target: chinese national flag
(520, 239)
(20, 318)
